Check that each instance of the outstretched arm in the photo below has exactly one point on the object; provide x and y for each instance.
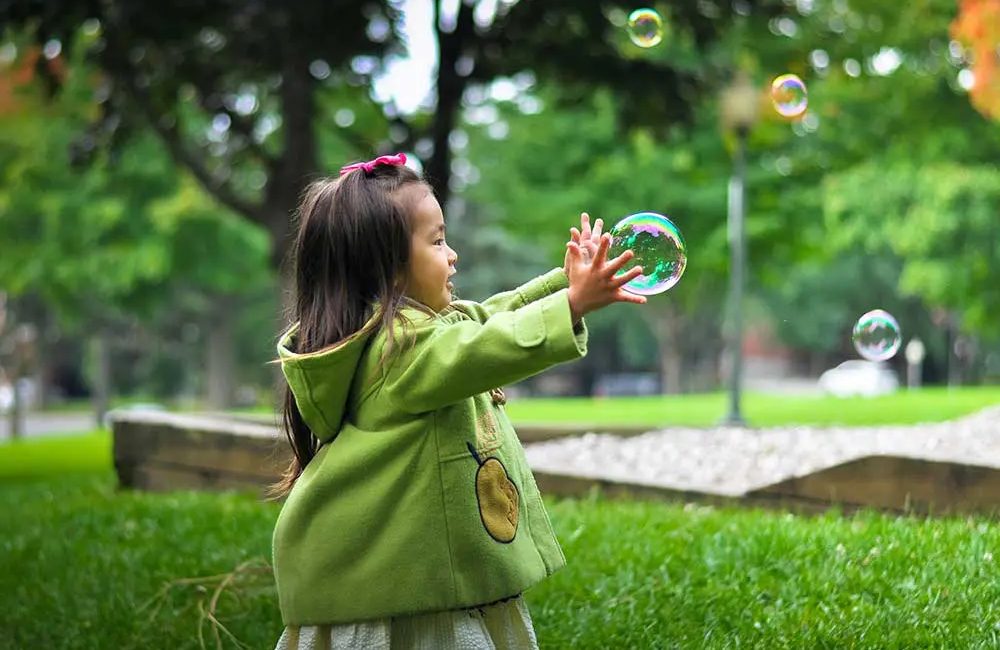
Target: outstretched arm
(449, 361)
(530, 291)
(453, 359)
(544, 285)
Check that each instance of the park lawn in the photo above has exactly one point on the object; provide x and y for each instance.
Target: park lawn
(83, 563)
(56, 455)
(760, 410)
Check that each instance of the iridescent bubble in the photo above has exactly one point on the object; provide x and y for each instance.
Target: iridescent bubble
(876, 335)
(789, 95)
(659, 249)
(645, 27)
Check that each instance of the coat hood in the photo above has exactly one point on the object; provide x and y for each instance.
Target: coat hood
(321, 381)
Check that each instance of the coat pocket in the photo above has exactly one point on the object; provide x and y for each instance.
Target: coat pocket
(529, 325)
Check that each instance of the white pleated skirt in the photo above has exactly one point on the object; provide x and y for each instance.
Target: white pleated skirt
(502, 626)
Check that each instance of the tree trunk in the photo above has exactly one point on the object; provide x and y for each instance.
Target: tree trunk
(16, 410)
(670, 371)
(665, 323)
(450, 86)
(220, 355)
(102, 375)
(44, 359)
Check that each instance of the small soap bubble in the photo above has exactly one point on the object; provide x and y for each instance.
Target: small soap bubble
(876, 335)
(659, 249)
(645, 27)
(789, 96)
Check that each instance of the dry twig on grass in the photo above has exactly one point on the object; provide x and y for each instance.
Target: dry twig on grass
(249, 576)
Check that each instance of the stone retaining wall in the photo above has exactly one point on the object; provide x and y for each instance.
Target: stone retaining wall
(165, 451)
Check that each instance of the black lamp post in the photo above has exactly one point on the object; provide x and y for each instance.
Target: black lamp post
(739, 112)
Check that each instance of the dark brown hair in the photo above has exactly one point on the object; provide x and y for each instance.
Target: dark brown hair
(349, 257)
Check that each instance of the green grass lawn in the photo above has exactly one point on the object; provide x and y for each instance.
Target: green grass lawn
(56, 455)
(86, 566)
(707, 409)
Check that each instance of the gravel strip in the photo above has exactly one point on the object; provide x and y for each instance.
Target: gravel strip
(732, 461)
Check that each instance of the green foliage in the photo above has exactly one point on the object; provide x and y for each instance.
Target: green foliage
(557, 163)
(122, 238)
(117, 236)
(940, 220)
(582, 152)
(211, 248)
(65, 232)
(834, 235)
(620, 129)
(818, 307)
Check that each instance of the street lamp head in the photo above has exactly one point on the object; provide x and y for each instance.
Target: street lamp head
(739, 103)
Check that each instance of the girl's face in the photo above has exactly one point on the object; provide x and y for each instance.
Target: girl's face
(432, 261)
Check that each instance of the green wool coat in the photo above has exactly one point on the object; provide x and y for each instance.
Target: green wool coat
(420, 497)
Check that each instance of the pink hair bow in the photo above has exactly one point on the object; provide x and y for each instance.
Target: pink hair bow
(398, 159)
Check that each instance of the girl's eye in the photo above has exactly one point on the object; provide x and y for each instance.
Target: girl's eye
(440, 241)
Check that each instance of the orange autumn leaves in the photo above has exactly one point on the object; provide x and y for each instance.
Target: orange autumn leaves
(20, 73)
(977, 27)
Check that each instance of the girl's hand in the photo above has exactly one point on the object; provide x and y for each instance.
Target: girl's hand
(592, 283)
(588, 239)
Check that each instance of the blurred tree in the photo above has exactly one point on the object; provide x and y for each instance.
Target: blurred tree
(241, 93)
(535, 161)
(561, 114)
(544, 167)
(120, 238)
(885, 92)
(941, 220)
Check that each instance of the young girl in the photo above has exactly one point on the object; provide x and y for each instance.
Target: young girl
(412, 518)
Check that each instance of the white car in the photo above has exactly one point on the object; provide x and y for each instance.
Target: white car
(856, 377)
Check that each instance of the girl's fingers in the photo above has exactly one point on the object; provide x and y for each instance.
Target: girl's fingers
(625, 278)
(602, 251)
(585, 225)
(625, 296)
(616, 264)
(574, 234)
(574, 249)
(598, 225)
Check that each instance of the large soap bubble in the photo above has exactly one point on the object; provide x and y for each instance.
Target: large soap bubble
(659, 249)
